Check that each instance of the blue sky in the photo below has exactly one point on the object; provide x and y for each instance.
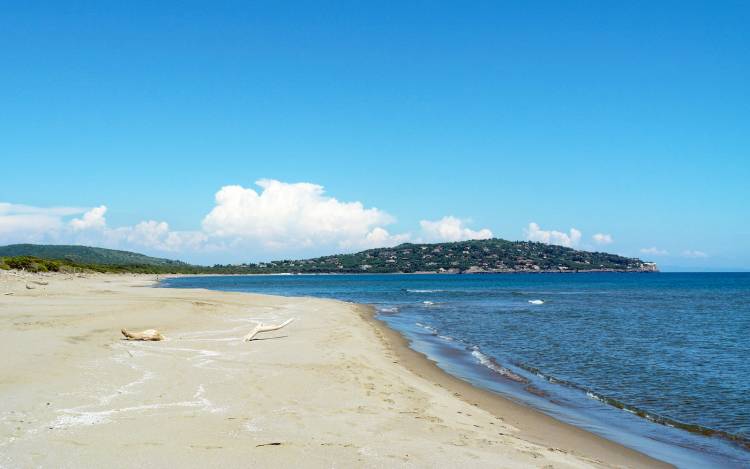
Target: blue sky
(628, 120)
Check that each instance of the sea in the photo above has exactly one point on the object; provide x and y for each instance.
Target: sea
(659, 362)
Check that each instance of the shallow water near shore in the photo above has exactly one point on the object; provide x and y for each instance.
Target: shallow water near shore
(652, 361)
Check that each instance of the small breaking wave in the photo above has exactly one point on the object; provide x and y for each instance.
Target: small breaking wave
(413, 290)
(389, 310)
(493, 365)
(434, 332)
(483, 359)
(650, 416)
(428, 328)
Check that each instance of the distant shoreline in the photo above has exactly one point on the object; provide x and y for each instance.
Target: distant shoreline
(459, 257)
(289, 274)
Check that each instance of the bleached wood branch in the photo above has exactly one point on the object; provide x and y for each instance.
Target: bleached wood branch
(266, 328)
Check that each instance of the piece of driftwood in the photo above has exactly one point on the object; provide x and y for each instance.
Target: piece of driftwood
(148, 334)
(265, 328)
(30, 287)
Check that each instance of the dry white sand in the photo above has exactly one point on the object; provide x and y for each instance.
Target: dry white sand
(333, 389)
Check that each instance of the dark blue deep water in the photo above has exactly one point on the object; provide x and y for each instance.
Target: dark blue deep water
(654, 361)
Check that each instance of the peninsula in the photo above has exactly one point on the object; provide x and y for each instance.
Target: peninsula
(466, 257)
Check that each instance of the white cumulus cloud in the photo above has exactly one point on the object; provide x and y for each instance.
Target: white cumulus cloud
(25, 223)
(450, 229)
(21, 209)
(380, 237)
(299, 214)
(602, 238)
(654, 251)
(156, 235)
(91, 219)
(274, 220)
(694, 254)
(535, 233)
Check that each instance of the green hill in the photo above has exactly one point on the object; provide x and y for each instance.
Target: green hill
(477, 256)
(85, 255)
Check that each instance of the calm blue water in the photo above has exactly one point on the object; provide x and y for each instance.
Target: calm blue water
(613, 353)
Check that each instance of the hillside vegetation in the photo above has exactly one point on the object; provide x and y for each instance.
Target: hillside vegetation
(85, 255)
(479, 256)
(37, 264)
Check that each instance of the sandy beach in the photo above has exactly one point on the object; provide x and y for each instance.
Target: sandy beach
(334, 389)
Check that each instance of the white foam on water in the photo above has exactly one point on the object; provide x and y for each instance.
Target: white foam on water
(536, 302)
(430, 329)
(494, 366)
(422, 291)
(485, 360)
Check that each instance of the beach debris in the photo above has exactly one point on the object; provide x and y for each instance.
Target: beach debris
(39, 282)
(260, 327)
(148, 334)
(30, 287)
(275, 443)
(8, 293)
(536, 302)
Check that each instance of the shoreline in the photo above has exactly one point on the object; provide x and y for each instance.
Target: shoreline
(532, 272)
(536, 426)
(335, 387)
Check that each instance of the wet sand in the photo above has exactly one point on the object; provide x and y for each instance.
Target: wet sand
(334, 388)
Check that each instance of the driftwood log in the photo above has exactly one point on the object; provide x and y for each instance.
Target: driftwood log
(148, 334)
(265, 328)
